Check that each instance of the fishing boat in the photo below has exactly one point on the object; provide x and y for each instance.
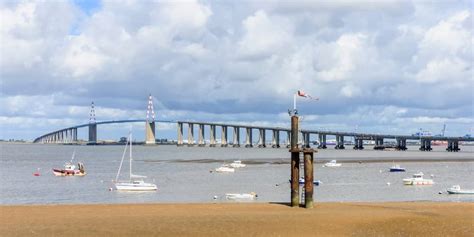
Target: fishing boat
(456, 189)
(237, 164)
(70, 169)
(397, 168)
(135, 182)
(225, 169)
(332, 163)
(241, 196)
(417, 179)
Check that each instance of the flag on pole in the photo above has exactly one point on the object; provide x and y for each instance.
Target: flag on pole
(303, 94)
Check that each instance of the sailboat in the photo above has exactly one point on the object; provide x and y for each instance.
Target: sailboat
(135, 182)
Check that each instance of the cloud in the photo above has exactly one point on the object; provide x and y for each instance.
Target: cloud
(378, 66)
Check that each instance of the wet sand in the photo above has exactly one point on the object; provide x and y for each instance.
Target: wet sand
(240, 219)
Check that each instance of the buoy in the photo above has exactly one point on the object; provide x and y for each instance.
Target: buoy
(388, 183)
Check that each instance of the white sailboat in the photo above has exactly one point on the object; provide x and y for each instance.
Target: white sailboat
(135, 182)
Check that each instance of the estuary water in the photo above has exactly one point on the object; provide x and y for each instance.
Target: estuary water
(182, 174)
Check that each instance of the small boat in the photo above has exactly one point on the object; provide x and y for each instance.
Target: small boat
(135, 182)
(315, 182)
(37, 173)
(241, 196)
(70, 169)
(225, 169)
(237, 164)
(456, 189)
(332, 163)
(417, 179)
(397, 168)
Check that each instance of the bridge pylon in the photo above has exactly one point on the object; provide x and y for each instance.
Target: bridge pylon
(150, 123)
(92, 126)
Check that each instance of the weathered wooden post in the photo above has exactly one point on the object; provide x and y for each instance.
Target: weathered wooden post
(295, 162)
(308, 177)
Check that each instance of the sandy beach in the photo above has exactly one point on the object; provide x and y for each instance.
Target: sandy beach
(249, 219)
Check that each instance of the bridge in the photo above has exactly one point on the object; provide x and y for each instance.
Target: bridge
(69, 135)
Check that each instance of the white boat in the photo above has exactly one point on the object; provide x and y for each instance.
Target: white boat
(241, 196)
(70, 169)
(237, 164)
(332, 163)
(225, 169)
(417, 179)
(456, 189)
(135, 182)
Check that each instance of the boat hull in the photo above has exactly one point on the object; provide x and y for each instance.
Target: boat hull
(451, 191)
(58, 172)
(240, 196)
(417, 182)
(397, 170)
(332, 165)
(135, 187)
(225, 170)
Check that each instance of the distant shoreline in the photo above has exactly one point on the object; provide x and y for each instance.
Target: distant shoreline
(252, 219)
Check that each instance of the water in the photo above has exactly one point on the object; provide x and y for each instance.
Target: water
(182, 174)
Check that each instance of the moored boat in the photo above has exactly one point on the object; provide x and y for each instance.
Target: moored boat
(315, 182)
(397, 168)
(456, 189)
(332, 163)
(135, 182)
(70, 169)
(237, 164)
(417, 179)
(225, 169)
(241, 196)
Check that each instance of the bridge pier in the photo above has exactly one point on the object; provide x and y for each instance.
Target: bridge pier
(92, 133)
(248, 138)
(401, 144)
(236, 137)
(379, 143)
(358, 143)
(306, 139)
(213, 136)
(201, 141)
(180, 134)
(150, 133)
(275, 138)
(340, 142)
(288, 139)
(453, 146)
(224, 136)
(322, 141)
(261, 138)
(190, 134)
(425, 145)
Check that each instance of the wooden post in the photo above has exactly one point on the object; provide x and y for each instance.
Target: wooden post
(308, 178)
(295, 162)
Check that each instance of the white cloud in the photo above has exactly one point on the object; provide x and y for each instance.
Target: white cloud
(239, 62)
(263, 36)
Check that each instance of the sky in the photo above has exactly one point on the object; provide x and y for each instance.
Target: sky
(376, 66)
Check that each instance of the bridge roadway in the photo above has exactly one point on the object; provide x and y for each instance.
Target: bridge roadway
(68, 135)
